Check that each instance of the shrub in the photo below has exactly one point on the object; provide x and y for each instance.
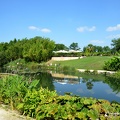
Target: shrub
(113, 64)
(14, 88)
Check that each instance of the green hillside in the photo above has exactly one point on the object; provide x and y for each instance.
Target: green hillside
(92, 62)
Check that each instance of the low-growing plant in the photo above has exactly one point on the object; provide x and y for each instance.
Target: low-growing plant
(45, 104)
(34, 98)
(87, 71)
(14, 88)
(113, 64)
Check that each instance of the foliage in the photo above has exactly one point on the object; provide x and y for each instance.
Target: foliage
(14, 88)
(44, 104)
(93, 50)
(71, 54)
(116, 75)
(21, 66)
(35, 49)
(38, 49)
(45, 80)
(3, 59)
(113, 64)
(89, 50)
(74, 46)
(114, 82)
(116, 45)
(60, 47)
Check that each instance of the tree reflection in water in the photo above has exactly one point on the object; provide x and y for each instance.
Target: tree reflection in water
(89, 85)
(46, 80)
(114, 83)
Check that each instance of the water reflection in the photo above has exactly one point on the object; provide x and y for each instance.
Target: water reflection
(45, 80)
(100, 87)
(113, 83)
(65, 79)
(84, 85)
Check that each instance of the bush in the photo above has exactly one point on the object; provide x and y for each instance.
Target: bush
(113, 64)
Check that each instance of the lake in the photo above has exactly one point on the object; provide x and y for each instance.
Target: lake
(84, 85)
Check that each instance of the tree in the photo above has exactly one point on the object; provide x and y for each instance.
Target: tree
(38, 49)
(106, 49)
(89, 49)
(12, 52)
(35, 49)
(3, 46)
(60, 47)
(98, 49)
(74, 46)
(116, 45)
(3, 58)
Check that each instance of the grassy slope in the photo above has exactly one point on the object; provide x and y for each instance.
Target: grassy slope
(93, 62)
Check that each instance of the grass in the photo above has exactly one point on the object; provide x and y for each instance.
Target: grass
(88, 63)
(92, 62)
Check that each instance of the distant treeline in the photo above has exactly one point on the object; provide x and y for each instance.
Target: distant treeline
(35, 49)
(40, 49)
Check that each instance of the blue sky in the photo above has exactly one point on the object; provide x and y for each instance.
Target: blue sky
(85, 22)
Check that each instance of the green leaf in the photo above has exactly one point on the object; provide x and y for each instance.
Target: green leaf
(96, 107)
(20, 105)
(81, 115)
(34, 84)
(88, 101)
(93, 114)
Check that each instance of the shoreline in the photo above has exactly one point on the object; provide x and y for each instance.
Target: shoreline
(79, 70)
(97, 71)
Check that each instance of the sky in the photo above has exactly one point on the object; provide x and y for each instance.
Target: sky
(84, 22)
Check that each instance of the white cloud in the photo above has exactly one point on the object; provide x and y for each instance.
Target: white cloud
(45, 30)
(85, 28)
(109, 91)
(118, 95)
(113, 36)
(33, 28)
(80, 90)
(97, 41)
(113, 28)
(92, 28)
(81, 29)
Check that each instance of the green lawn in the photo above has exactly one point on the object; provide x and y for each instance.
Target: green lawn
(93, 62)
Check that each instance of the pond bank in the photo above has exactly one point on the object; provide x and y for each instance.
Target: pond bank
(7, 114)
(97, 71)
(65, 58)
(7, 74)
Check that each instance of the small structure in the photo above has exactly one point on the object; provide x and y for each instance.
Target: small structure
(66, 57)
(69, 51)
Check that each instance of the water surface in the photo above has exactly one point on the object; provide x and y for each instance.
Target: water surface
(100, 87)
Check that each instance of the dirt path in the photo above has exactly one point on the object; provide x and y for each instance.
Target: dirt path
(7, 114)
